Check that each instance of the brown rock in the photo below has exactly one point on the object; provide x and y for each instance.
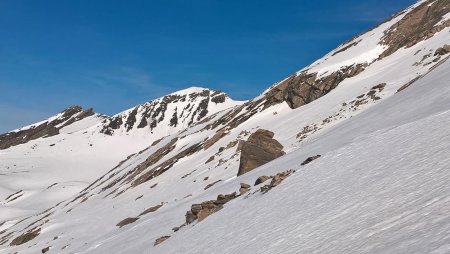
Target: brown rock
(442, 50)
(220, 134)
(126, 221)
(28, 236)
(44, 250)
(417, 25)
(244, 188)
(303, 88)
(161, 239)
(196, 208)
(259, 149)
(276, 180)
(203, 214)
(151, 209)
(261, 179)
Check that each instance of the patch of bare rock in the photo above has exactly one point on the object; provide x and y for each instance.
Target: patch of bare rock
(259, 149)
(127, 221)
(28, 236)
(161, 239)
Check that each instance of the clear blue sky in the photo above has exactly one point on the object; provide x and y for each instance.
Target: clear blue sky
(112, 55)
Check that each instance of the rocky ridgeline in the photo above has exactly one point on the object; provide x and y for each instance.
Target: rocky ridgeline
(45, 129)
(151, 114)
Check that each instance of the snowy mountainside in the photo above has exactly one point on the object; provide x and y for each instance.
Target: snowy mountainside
(174, 112)
(50, 161)
(375, 109)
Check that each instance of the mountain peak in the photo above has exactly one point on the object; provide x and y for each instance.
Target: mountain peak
(175, 112)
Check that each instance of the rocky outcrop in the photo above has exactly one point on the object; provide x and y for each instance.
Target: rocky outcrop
(259, 149)
(276, 180)
(151, 209)
(28, 236)
(442, 50)
(302, 88)
(190, 108)
(244, 188)
(418, 25)
(261, 179)
(45, 129)
(201, 211)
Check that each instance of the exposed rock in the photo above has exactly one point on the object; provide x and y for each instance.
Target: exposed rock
(175, 229)
(261, 179)
(211, 184)
(210, 159)
(259, 149)
(151, 209)
(131, 119)
(46, 129)
(190, 217)
(166, 165)
(203, 210)
(309, 159)
(218, 99)
(380, 87)
(161, 239)
(127, 221)
(417, 25)
(442, 50)
(44, 250)
(28, 236)
(300, 89)
(244, 188)
(276, 180)
(211, 141)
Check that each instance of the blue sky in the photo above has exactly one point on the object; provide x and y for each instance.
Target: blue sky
(112, 55)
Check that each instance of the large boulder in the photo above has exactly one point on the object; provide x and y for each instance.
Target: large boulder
(259, 149)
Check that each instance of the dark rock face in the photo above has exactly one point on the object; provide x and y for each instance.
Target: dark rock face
(46, 129)
(418, 25)
(302, 88)
(44, 250)
(309, 159)
(259, 149)
(28, 236)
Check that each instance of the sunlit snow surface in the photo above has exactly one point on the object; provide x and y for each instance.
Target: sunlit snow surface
(381, 185)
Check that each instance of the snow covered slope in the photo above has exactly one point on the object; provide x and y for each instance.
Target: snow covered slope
(63, 154)
(376, 109)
